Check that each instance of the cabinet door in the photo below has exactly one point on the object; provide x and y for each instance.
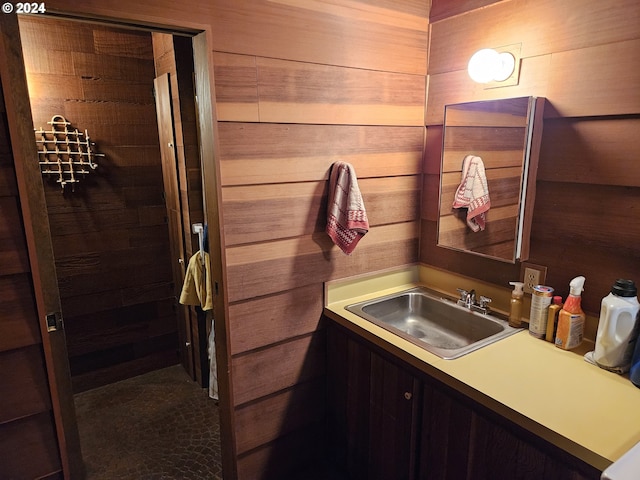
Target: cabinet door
(372, 404)
(394, 403)
(460, 439)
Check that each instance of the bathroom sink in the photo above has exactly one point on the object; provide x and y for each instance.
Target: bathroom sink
(436, 324)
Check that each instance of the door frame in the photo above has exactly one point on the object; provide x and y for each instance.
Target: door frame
(31, 192)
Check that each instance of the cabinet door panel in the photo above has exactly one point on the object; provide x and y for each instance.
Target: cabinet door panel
(391, 420)
(444, 446)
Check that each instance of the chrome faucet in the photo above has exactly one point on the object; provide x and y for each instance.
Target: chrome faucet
(468, 300)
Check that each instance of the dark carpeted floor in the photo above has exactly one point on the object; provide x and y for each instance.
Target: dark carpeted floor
(160, 425)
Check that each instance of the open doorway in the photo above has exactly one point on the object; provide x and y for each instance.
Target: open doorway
(121, 236)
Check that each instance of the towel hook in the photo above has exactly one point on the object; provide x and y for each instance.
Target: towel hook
(198, 229)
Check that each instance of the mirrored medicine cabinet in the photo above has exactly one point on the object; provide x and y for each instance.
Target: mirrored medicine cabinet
(505, 134)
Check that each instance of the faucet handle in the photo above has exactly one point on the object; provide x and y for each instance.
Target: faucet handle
(484, 301)
(463, 293)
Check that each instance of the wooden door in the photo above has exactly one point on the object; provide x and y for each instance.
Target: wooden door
(373, 407)
(22, 363)
(166, 132)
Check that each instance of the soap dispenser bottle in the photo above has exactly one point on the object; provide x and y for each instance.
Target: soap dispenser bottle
(515, 311)
(571, 318)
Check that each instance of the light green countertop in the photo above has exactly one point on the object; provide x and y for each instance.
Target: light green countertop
(589, 412)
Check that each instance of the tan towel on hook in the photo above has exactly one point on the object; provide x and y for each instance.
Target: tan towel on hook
(196, 289)
(473, 193)
(347, 219)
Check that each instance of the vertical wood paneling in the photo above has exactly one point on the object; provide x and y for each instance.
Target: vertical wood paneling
(103, 235)
(587, 188)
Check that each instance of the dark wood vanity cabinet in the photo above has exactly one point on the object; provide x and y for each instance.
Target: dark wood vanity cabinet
(373, 411)
(388, 420)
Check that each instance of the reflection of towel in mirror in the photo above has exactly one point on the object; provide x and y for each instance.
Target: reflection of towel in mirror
(473, 192)
(347, 219)
(196, 289)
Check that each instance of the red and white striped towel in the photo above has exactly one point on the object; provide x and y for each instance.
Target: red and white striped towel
(473, 193)
(347, 219)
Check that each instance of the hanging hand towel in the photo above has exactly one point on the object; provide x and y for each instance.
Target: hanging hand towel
(473, 193)
(347, 219)
(196, 289)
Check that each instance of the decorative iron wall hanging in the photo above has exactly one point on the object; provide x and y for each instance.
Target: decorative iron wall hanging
(65, 153)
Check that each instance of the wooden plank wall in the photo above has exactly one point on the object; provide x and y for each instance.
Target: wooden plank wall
(110, 236)
(284, 118)
(27, 429)
(575, 53)
(300, 85)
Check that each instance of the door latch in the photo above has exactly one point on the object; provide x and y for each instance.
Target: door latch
(54, 321)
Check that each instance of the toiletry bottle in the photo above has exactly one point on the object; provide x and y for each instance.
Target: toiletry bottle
(541, 297)
(571, 317)
(552, 318)
(618, 326)
(515, 312)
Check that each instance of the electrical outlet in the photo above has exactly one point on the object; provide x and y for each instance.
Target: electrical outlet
(532, 275)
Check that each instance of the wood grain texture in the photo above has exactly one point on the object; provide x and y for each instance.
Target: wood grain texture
(286, 456)
(269, 212)
(24, 381)
(19, 326)
(282, 316)
(596, 151)
(261, 269)
(542, 28)
(273, 153)
(441, 9)
(13, 248)
(270, 418)
(279, 91)
(293, 92)
(28, 447)
(585, 165)
(296, 361)
(236, 78)
(381, 35)
(558, 61)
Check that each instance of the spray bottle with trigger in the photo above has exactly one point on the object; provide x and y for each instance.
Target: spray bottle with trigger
(571, 318)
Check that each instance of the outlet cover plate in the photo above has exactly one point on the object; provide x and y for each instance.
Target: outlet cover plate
(531, 275)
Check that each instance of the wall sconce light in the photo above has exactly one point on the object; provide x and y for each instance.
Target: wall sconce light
(497, 67)
(488, 65)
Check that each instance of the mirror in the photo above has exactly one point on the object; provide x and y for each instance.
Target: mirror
(487, 176)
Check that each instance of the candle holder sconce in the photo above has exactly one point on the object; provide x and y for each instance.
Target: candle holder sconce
(65, 153)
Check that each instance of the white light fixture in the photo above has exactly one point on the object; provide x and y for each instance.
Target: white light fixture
(487, 65)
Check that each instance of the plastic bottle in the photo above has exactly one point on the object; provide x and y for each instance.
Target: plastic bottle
(618, 326)
(571, 318)
(552, 318)
(515, 311)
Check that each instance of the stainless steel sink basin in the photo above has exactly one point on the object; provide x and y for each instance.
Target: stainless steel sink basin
(434, 323)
